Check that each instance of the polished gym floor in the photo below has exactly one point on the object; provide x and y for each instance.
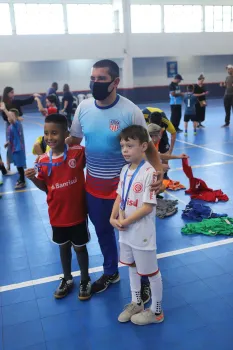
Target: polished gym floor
(197, 270)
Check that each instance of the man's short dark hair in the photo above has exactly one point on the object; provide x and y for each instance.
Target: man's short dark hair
(58, 119)
(52, 98)
(134, 132)
(113, 68)
(156, 118)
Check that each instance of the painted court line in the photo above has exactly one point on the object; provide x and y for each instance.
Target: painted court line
(205, 148)
(100, 268)
(20, 191)
(31, 119)
(36, 123)
(203, 165)
(182, 148)
(175, 197)
(171, 170)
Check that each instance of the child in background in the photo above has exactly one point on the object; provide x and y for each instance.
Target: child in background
(61, 176)
(133, 215)
(40, 146)
(11, 101)
(51, 107)
(190, 100)
(16, 143)
(158, 117)
(154, 131)
(190, 110)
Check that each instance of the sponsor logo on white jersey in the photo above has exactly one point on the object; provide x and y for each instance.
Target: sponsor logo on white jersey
(138, 187)
(132, 203)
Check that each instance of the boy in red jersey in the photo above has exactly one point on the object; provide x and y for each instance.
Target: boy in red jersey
(51, 107)
(40, 146)
(61, 176)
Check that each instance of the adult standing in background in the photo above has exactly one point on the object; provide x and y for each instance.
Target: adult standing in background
(53, 91)
(228, 97)
(176, 99)
(201, 103)
(100, 121)
(11, 102)
(67, 103)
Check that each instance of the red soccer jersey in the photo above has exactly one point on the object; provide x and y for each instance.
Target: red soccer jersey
(48, 111)
(52, 110)
(66, 187)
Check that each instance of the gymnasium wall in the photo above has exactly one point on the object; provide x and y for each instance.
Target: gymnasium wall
(150, 75)
(24, 48)
(30, 63)
(153, 71)
(151, 82)
(29, 77)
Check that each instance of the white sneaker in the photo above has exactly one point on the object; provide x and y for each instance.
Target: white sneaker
(129, 311)
(147, 317)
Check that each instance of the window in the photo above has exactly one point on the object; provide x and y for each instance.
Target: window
(39, 19)
(183, 18)
(118, 21)
(146, 18)
(86, 19)
(5, 20)
(227, 18)
(209, 19)
(218, 18)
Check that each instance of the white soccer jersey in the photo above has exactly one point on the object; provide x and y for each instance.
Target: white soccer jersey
(140, 235)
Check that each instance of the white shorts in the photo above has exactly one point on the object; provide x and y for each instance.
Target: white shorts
(145, 260)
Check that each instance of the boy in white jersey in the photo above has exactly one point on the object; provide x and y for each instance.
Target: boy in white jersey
(133, 215)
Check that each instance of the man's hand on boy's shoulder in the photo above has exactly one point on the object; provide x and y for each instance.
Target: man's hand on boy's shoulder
(30, 173)
(72, 140)
(156, 185)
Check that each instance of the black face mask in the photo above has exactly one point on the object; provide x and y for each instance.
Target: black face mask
(100, 90)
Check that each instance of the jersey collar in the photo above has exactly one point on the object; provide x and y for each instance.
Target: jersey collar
(111, 105)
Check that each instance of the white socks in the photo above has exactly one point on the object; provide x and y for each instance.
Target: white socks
(135, 285)
(156, 287)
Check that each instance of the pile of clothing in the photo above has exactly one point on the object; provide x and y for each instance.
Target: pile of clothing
(211, 227)
(198, 188)
(198, 212)
(173, 185)
(166, 207)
